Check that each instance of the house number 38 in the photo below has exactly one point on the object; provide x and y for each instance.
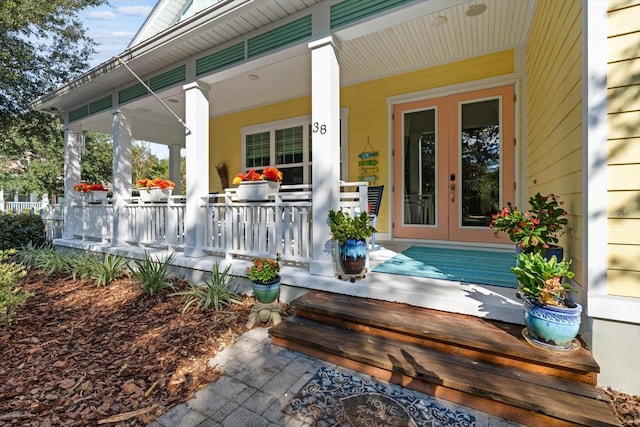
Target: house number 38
(317, 127)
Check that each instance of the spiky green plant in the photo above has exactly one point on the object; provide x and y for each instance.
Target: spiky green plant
(213, 294)
(83, 265)
(50, 260)
(152, 275)
(111, 268)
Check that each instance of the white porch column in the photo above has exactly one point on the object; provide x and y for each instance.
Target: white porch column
(72, 167)
(197, 158)
(121, 133)
(174, 167)
(325, 125)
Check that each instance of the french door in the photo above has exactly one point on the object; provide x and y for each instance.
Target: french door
(453, 164)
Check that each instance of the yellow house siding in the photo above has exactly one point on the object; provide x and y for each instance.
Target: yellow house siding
(368, 115)
(623, 106)
(553, 154)
(225, 138)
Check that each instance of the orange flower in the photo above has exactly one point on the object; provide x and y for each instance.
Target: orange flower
(269, 174)
(155, 182)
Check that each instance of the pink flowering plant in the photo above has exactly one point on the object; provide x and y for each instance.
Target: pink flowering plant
(264, 270)
(535, 229)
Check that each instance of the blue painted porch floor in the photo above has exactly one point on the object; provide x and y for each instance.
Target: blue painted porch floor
(487, 267)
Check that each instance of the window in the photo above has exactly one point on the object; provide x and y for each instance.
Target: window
(287, 145)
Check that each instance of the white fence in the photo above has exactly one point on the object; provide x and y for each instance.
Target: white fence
(281, 225)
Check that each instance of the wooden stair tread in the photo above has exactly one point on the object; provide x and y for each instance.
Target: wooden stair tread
(581, 404)
(464, 331)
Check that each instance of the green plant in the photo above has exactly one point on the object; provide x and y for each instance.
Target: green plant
(12, 297)
(214, 294)
(264, 270)
(20, 230)
(153, 276)
(83, 265)
(542, 279)
(344, 226)
(111, 267)
(47, 259)
(536, 228)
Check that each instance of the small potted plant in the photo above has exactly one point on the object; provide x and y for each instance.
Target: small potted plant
(351, 233)
(535, 230)
(264, 274)
(551, 318)
(255, 185)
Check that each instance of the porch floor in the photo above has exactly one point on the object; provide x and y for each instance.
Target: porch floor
(482, 364)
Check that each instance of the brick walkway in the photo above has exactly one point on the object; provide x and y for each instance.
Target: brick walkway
(258, 380)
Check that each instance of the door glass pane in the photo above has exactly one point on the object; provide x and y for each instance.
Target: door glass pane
(480, 162)
(420, 167)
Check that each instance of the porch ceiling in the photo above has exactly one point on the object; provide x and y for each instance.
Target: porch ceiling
(423, 34)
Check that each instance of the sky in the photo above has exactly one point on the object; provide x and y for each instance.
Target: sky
(113, 25)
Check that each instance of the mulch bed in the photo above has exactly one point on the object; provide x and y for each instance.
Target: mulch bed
(80, 355)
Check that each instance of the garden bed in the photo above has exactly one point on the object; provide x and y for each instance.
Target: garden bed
(82, 355)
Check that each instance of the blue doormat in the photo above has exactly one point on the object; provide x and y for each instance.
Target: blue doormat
(460, 265)
(336, 398)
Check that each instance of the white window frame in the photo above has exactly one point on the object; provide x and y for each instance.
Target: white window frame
(305, 122)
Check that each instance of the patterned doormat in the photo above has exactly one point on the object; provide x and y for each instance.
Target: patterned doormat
(335, 398)
(460, 265)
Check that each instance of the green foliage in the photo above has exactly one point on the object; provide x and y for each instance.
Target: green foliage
(111, 268)
(21, 230)
(83, 265)
(541, 279)
(153, 276)
(52, 261)
(43, 46)
(214, 294)
(343, 226)
(12, 297)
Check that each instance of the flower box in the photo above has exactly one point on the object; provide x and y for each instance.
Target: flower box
(97, 196)
(257, 190)
(155, 194)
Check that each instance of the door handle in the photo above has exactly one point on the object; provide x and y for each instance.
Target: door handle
(452, 186)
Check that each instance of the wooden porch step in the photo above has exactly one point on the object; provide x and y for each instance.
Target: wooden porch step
(481, 364)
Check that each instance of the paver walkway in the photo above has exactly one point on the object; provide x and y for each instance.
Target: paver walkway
(258, 380)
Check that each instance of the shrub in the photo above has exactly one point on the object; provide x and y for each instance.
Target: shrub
(12, 297)
(20, 230)
(153, 276)
(214, 294)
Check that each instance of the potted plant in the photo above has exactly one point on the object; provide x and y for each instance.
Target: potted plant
(351, 233)
(155, 190)
(255, 185)
(551, 318)
(535, 230)
(264, 274)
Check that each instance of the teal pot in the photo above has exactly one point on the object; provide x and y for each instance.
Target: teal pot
(267, 292)
(552, 326)
(352, 256)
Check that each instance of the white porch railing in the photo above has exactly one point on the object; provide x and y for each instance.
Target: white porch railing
(281, 225)
(20, 207)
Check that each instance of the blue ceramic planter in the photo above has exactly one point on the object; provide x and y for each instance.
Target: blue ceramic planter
(266, 292)
(353, 256)
(550, 325)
